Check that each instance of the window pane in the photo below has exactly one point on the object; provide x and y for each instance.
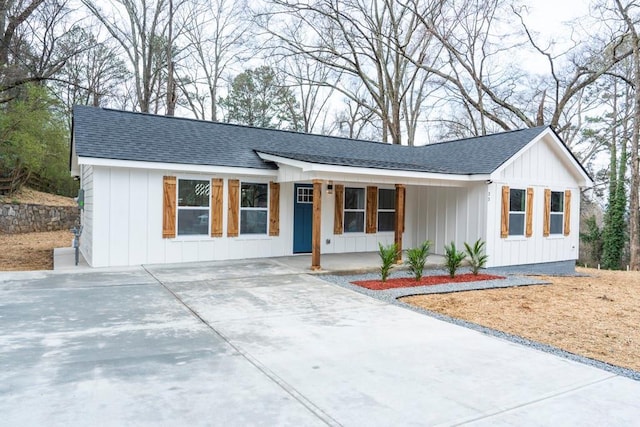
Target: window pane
(354, 198)
(556, 223)
(254, 195)
(386, 199)
(516, 224)
(557, 201)
(253, 222)
(193, 221)
(386, 221)
(193, 192)
(516, 200)
(353, 222)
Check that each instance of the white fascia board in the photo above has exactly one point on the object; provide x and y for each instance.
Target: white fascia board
(134, 164)
(585, 182)
(322, 169)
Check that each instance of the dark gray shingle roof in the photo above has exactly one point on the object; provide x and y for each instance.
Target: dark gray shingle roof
(122, 135)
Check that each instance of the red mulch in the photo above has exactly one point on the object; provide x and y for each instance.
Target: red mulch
(409, 282)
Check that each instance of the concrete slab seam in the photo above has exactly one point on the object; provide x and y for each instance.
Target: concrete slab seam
(532, 402)
(296, 395)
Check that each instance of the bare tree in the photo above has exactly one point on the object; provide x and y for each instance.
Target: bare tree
(373, 41)
(140, 29)
(628, 13)
(216, 39)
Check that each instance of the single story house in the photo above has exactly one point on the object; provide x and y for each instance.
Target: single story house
(163, 189)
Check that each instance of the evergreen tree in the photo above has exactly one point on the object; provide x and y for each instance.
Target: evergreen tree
(614, 235)
(257, 98)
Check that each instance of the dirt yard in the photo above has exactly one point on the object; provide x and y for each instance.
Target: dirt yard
(33, 251)
(595, 316)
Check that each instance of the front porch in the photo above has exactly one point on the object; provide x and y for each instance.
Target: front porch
(349, 263)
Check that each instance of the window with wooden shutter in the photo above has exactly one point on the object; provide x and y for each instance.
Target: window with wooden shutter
(338, 211)
(274, 209)
(372, 209)
(529, 213)
(216, 207)
(546, 226)
(169, 207)
(504, 220)
(234, 204)
(567, 212)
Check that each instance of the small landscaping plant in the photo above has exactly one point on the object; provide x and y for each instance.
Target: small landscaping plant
(417, 257)
(388, 256)
(477, 257)
(453, 258)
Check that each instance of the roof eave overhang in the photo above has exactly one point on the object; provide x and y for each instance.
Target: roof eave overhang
(321, 169)
(585, 180)
(177, 167)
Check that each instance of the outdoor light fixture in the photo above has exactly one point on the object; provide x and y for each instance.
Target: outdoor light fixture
(330, 187)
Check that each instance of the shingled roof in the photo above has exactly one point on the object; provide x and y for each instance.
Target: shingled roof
(121, 135)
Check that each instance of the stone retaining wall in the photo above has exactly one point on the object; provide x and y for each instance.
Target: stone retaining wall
(26, 218)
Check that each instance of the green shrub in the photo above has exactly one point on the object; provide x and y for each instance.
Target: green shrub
(417, 257)
(388, 256)
(453, 258)
(477, 257)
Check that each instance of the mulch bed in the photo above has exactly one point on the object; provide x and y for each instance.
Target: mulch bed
(409, 282)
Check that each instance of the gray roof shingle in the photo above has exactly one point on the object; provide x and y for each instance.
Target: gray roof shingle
(122, 135)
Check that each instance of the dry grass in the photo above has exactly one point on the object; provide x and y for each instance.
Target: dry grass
(31, 251)
(597, 316)
(29, 196)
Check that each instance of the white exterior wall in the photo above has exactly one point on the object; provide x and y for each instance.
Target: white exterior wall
(540, 168)
(86, 239)
(449, 214)
(128, 223)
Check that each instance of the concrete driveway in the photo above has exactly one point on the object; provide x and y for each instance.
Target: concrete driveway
(261, 343)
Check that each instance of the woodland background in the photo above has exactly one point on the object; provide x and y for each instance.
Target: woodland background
(403, 72)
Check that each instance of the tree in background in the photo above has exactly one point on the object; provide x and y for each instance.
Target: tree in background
(34, 140)
(258, 98)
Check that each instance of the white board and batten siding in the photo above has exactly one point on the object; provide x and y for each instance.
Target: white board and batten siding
(86, 239)
(539, 167)
(128, 222)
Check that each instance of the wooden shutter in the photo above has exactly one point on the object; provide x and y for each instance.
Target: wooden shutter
(546, 226)
(504, 223)
(529, 213)
(338, 211)
(372, 209)
(234, 207)
(169, 207)
(567, 212)
(216, 207)
(274, 209)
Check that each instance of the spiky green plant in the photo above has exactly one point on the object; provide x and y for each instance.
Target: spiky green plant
(477, 257)
(388, 255)
(417, 257)
(453, 258)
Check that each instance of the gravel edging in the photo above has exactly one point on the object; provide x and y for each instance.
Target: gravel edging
(392, 295)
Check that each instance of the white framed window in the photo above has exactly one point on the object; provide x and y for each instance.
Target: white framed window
(517, 209)
(354, 202)
(556, 220)
(254, 200)
(305, 195)
(386, 209)
(193, 207)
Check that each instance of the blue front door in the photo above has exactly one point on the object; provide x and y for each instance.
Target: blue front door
(302, 218)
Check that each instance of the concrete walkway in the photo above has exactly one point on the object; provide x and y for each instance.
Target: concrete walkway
(261, 343)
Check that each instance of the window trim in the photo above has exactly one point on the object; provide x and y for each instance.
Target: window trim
(385, 210)
(560, 214)
(241, 208)
(523, 212)
(363, 210)
(187, 208)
